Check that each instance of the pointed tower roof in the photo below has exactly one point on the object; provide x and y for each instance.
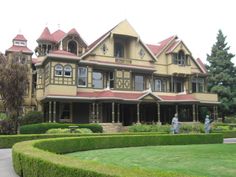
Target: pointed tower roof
(19, 37)
(46, 36)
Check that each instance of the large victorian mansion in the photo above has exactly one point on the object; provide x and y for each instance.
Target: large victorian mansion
(116, 79)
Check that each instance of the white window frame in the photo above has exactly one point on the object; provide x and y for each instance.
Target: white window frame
(58, 70)
(67, 68)
(160, 85)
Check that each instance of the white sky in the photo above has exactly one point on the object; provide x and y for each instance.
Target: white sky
(196, 22)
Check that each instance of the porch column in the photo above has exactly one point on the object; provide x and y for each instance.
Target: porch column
(172, 84)
(194, 113)
(97, 113)
(138, 118)
(216, 112)
(50, 111)
(158, 113)
(113, 112)
(197, 118)
(118, 113)
(93, 112)
(176, 109)
(54, 111)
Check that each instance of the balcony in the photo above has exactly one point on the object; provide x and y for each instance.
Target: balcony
(206, 97)
(123, 60)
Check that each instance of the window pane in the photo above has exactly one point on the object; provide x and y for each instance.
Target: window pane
(83, 72)
(82, 81)
(82, 76)
(97, 80)
(138, 83)
(158, 85)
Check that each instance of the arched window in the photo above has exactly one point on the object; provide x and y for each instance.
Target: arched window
(72, 47)
(67, 71)
(119, 50)
(58, 70)
(181, 58)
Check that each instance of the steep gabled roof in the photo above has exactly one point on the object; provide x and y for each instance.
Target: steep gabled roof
(46, 36)
(157, 49)
(58, 35)
(114, 30)
(201, 65)
(22, 49)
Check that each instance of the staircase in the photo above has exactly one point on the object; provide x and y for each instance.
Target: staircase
(111, 127)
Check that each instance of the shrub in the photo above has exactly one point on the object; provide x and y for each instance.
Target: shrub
(149, 128)
(67, 130)
(43, 127)
(3, 116)
(192, 128)
(7, 127)
(32, 117)
(38, 158)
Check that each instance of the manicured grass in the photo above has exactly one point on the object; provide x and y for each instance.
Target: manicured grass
(203, 160)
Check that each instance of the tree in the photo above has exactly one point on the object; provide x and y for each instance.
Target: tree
(13, 84)
(222, 75)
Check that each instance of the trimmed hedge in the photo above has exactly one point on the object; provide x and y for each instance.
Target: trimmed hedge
(7, 141)
(43, 127)
(38, 158)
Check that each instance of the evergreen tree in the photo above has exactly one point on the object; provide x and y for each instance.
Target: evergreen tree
(222, 75)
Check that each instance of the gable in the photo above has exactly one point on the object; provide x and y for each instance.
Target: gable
(177, 46)
(124, 28)
(194, 67)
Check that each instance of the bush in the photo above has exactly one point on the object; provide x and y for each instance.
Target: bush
(149, 128)
(3, 116)
(38, 158)
(192, 128)
(7, 127)
(67, 130)
(32, 117)
(43, 127)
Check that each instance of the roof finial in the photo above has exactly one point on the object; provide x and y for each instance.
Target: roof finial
(58, 25)
(20, 31)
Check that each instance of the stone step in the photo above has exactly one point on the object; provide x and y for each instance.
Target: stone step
(111, 127)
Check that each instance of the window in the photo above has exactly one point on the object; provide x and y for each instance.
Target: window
(68, 71)
(65, 113)
(111, 79)
(97, 80)
(119, 50)
(178, 85)
(58, 70)
(197, 85)
(158, 85)
(72, 47)
(138, 83)
(180, 58)
(82, 76)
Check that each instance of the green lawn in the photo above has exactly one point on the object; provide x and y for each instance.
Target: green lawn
(216, 160)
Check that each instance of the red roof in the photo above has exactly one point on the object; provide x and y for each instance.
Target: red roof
(20, 37)
(73, 31)
(199, 61)
(58, 35)
(62, 52)
(46, 36)
(172, 46)
(184, 97)
(22, 49)
(156, 49)
(108, 94)
(34, 60)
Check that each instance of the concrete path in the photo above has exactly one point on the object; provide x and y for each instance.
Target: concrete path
(6, 168)
(229, 140)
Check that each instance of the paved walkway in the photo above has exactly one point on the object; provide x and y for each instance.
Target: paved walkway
(6, 169)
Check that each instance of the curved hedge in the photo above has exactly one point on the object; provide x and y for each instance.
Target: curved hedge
(43, 127)
(38, 159)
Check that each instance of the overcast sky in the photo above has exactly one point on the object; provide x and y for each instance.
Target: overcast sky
(196, 22)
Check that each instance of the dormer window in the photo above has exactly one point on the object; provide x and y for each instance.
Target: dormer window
(19, 43)
(180, 58)
(58, 70)
(119, 50)
(67, 71)
(72, 47)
